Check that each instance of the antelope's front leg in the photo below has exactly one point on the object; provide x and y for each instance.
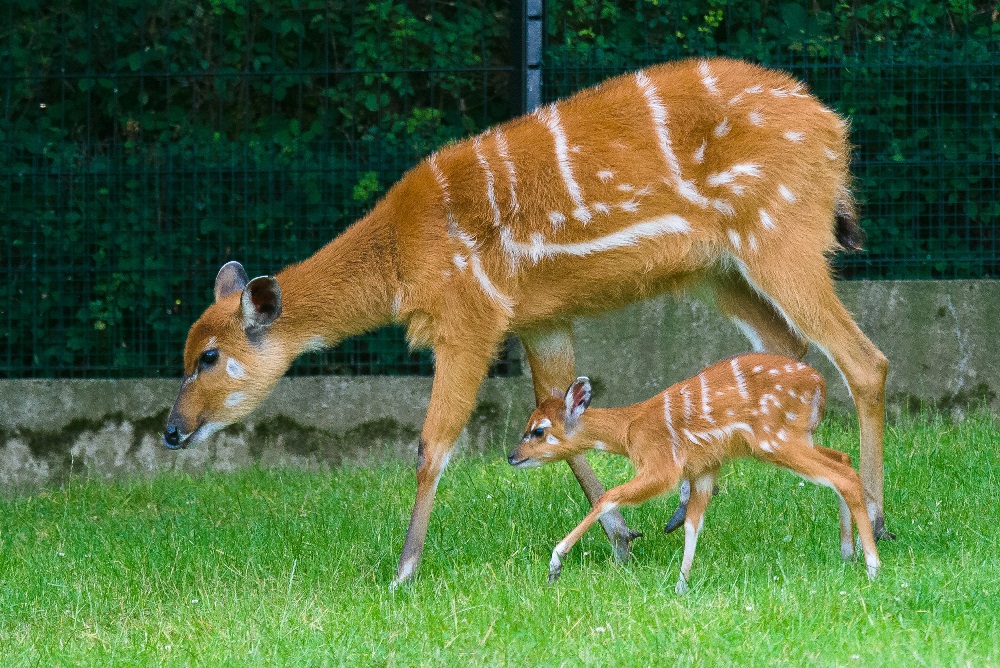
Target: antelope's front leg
(634, 492)
(458, 371)
(550, 356)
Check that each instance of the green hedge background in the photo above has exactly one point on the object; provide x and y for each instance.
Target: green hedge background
(144, 144)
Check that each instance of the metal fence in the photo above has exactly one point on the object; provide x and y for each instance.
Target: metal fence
(143, 145)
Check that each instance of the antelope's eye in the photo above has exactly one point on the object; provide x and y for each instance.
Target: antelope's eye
(208, 358)
(538, 433)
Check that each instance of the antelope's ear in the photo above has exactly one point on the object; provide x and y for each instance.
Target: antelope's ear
(232, 278)
(577, 400)
(261, 304)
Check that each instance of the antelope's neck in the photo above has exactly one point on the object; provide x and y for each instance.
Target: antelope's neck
(608, 427)
(345, 288)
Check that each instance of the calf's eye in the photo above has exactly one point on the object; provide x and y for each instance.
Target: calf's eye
(538, 433)
(208, 358)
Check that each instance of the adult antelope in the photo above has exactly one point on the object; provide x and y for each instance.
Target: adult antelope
(712, 172)
(760, 406)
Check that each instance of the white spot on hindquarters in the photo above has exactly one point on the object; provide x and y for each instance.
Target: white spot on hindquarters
(779, 92)
(699, 155)
(752, 242)
(504, 151)
(723, 128)
(758, 369)
(605, 175)
(766, 221)
(832, 155)
(794, 135)
(785, 193)
(800, 366)
(625, 187)
(659, 113)
(707, 79)
(235, 399)
(767, 446)
(768, 399)
(599, 445)
(550, 117)
(734, 238)
(557, 219)
(729, 175)
(792, 393)
(774, 372)
(790, 416)
(601, 207)
(756, 117)
(782, 435)
(629, 205)
(235, 370)
(778, 387)
(723, 207)
(460, 261)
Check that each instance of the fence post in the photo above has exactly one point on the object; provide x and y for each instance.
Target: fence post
(527, 38)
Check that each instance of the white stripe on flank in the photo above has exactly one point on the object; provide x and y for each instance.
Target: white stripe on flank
(629, 236)
(766, 220)
(794, 135)
(706, 408)
(550, 117)
(503, 150)
(741, 381)
(734, 238)
(670, 427)
(718, 433)
(707, 78)
(439, 177)
(686, 189)
(490, 191)
(785, 193)
(688, 403)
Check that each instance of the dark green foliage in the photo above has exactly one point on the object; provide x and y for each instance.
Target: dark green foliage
(142, 145)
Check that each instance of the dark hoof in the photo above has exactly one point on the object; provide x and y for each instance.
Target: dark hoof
(881, 533)
(677, 519)
(622, 545)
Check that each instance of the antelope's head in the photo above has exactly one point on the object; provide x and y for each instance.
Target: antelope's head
(554, 428)
(232, 359)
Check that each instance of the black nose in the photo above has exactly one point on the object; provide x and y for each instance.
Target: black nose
(172, 437)
(513, 459)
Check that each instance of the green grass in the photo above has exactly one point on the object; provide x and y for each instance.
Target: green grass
(292, 568)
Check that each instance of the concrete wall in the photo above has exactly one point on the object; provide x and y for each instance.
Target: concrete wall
(938, 337)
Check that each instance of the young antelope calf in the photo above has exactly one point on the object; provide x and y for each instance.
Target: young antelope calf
(759, 406)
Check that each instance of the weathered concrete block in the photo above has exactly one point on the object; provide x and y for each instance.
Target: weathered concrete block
(938, 336)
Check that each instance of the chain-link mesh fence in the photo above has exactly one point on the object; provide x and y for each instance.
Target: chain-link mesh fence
(142, 145)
